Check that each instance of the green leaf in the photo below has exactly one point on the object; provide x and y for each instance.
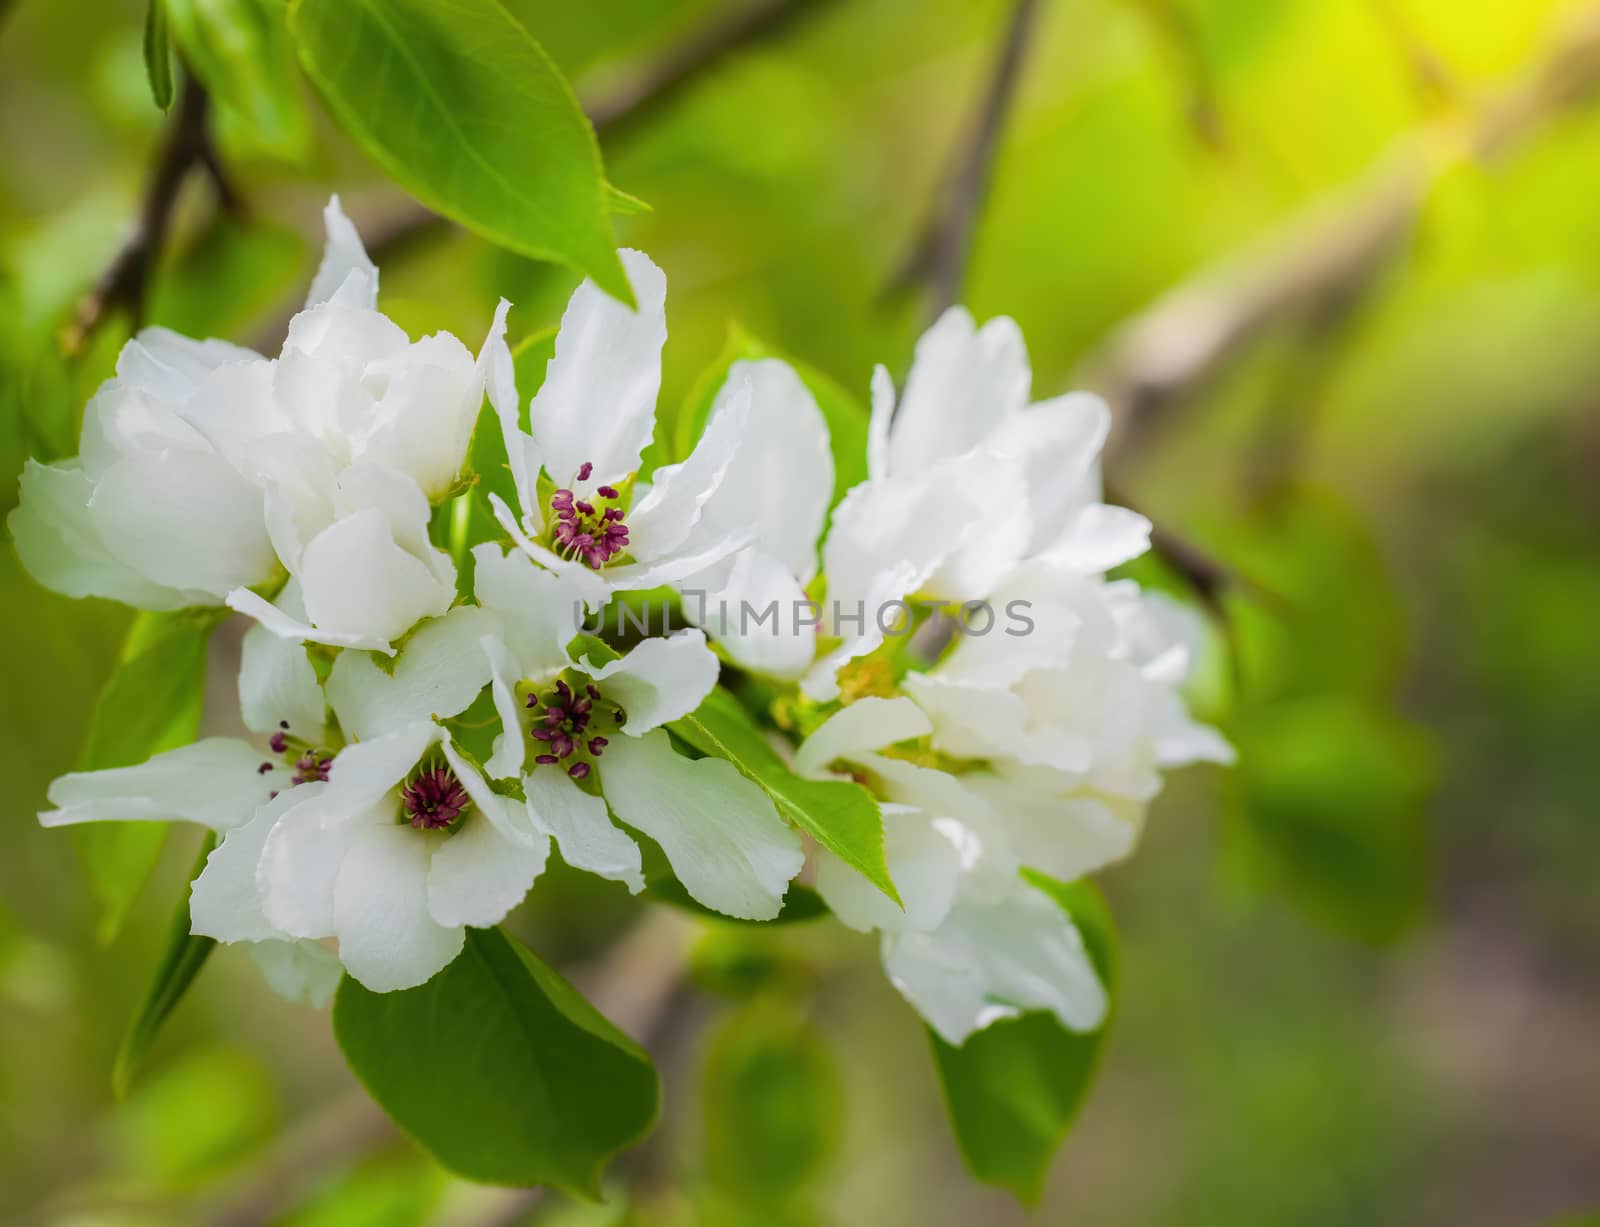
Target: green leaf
(799, 903)
(840, 815)
(158, 53)
(625, 205)
(500, 1068)
(1014, 1088)
(149, 705)
(240, 51)
(455, 100)
(180, 963)
(1330, 809)
(845, 415)
(773, 1105)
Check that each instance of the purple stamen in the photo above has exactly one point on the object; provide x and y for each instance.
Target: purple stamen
(584, 529)
(279, 743)
(434, 799)
(579, 771)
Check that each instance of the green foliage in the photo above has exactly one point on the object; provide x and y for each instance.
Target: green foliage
(456, 101)
(185, 954)
(500, 1069)
(844, 413)
(773, 1103)
(196, 1118)
(158, 53)
(799, 903)
(150, 704)
(240, 51)
(840, 815)
(1014, 1088)
(1331, 786)
(1331, 794)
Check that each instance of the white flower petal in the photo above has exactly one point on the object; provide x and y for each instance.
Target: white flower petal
(60, 544)
(1098, 537)
(169, 366)
(224, 901)
(364, 773)
(883, 402)
(974, 721)
(664, 519)
(752, 614)
(538, 611)
(503, 813)
(923, 862)
(1057, 443)
(598, 400)
(300, 861)
(500, 381)
(510, 744)
(478, 875)
(438, 673)
(278, 684)
(1063, 836)
(720, 832)
(964, 382)
(585, 582)
(360, 582)
(868, 724)
(659, 680)
(345, 264)
(214, 782)
(582, 828)
(387, 938)
(185, 519)
(781, 477)
(285, 625)
(303, 972)
(996, 955)
(422, 423)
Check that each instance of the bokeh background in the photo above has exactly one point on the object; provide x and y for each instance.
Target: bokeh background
(1337, 264)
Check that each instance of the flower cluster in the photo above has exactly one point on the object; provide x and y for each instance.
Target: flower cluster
(421, 739)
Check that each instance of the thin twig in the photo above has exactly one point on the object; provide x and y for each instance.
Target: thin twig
(942, 252)
(659, 86)
(124, 286)
(619, 114)
(1172, 350)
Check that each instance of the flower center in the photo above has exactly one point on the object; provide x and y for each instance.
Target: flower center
(434, 799)
(591, 529)
(305, 762)
(561, 724)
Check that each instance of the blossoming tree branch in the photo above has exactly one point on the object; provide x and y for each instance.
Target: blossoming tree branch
(802, 660)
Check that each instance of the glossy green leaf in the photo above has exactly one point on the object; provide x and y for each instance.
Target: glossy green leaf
(158, 53)
(150, 704)
(1014, 1088)
(773, 1105)
(455, 100)
(240, 51)
(185, 954)
(846, 415)
(500, 1068)
(840, 815)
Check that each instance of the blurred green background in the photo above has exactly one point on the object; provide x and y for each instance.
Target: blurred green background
(1359, 973)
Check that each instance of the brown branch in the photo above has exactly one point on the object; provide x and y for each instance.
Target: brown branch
(124, 286)
(661, 85)
(618, 115)
(1186, 338)
(941, 255)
